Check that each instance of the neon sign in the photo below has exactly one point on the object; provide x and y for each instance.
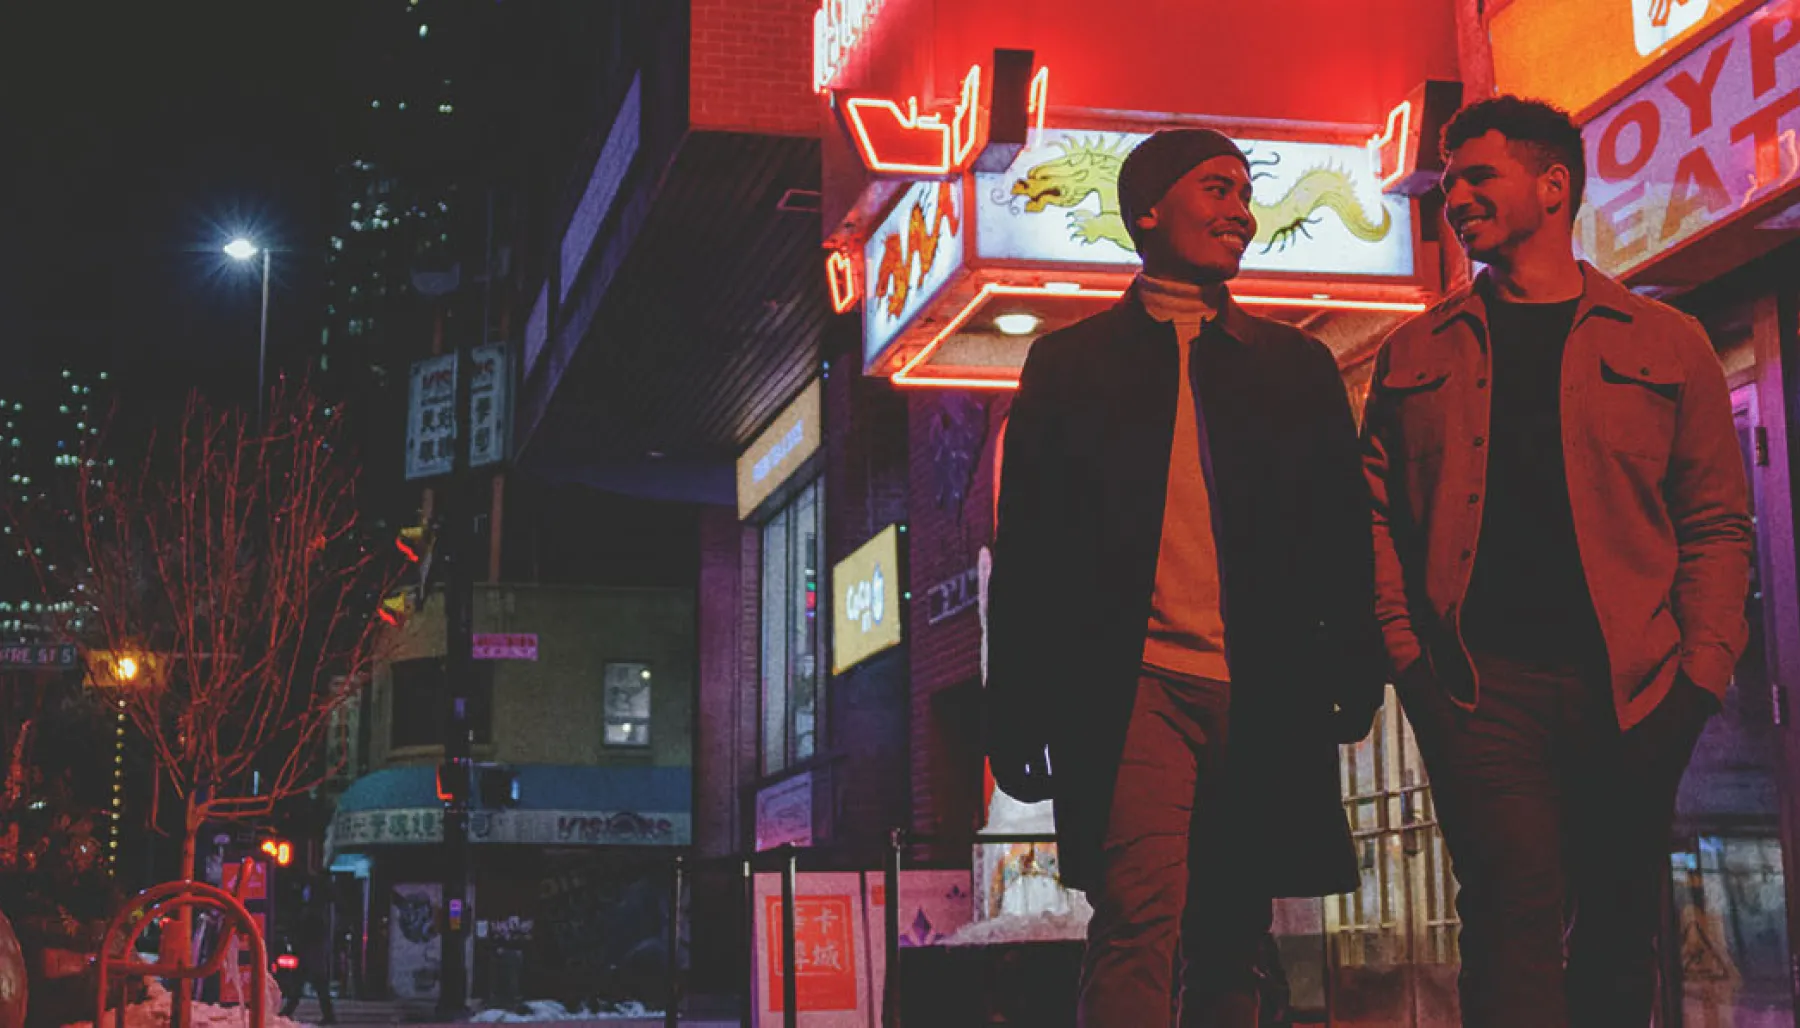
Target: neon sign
(1394, 138)
(838, 27)
(909, 374)
(901, 141)
(840, 273)
(1037, 105)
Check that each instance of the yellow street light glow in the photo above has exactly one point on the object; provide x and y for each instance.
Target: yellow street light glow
(126, 669)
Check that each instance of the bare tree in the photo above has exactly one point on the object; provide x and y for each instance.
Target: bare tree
(223, 597)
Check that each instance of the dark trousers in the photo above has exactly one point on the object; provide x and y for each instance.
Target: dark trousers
(1164, 881)
(1558, 827)
(321, 984)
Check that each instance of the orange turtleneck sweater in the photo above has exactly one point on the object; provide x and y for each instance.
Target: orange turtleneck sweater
(1186, 633)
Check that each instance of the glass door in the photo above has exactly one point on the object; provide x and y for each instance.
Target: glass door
(1727, 961)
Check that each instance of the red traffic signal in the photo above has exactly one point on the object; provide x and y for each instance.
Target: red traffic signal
(279, 851)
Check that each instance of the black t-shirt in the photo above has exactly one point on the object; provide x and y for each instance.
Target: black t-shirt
(1528, 597)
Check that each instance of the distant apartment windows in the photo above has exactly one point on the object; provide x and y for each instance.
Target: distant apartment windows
(627, 704)
(424, 30)
(416, 713)
(445, 109)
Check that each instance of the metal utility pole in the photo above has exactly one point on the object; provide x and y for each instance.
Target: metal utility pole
(458, 534)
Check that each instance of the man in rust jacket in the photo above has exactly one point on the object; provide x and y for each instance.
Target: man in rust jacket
(1562, 546)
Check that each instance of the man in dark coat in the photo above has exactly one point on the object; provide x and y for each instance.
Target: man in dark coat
(1183, 558)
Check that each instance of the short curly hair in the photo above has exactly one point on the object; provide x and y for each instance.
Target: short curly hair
(1545, 130)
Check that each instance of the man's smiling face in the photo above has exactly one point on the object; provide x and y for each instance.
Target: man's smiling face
(1203, 224)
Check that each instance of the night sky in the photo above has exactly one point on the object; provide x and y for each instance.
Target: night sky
(138, 138)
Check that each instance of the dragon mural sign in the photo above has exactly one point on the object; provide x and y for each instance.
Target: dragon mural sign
(1319, 208)
(910, 258)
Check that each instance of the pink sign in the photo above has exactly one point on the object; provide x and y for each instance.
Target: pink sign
(502, 646)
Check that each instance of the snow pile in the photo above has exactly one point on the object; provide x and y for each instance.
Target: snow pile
(153, 1012)
(1008, 928)
(550, 1010)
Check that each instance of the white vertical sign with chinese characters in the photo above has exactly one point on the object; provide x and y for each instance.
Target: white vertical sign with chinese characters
(489, 400)
(431, 417)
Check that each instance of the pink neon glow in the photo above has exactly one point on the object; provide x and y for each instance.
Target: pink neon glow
(1401, 114)
(906, 378)
(955, 142)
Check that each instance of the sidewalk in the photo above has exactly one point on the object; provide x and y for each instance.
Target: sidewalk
(392, 1012)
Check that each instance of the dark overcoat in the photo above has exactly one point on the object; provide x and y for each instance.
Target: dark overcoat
(1083, 484)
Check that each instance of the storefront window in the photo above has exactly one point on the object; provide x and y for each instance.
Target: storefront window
(793, 647)
(627, 703)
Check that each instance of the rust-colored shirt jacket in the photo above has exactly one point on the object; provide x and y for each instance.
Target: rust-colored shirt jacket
(1656, 488)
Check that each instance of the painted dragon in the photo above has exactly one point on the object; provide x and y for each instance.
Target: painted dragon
(1091, 167)
(918, 241)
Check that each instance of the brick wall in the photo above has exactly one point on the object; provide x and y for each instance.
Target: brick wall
(751, 67)
(953, 437)
(719, 745)
(865, 491)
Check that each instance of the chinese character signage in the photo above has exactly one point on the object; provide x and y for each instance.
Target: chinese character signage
(431, 417)
(1709, 138)
(780, 450)
(503, 646)
(356, 829)
(839, 955)
(431, 412)
(909, 259)
(489, 398)
(1319, 208)
(866, 611)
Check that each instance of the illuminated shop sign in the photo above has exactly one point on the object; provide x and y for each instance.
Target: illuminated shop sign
(838, 28)
(897, 140)
(1534, 42)
(866, 613)
(841, 276)
(909, 258)
(1710, 137)
(780, 450)
(1319, 208)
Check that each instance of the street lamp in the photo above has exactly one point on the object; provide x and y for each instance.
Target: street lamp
(242, 249)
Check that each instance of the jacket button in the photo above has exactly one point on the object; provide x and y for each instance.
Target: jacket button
(1421, 376)
(1474, 497)
(1644, 371)
(1466, 554)
(1481, 383)
(1479, 440)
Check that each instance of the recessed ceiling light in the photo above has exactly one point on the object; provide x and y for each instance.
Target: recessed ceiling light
(1018, 323)
(1062, 287)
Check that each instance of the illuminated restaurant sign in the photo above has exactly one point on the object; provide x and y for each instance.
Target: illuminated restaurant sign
(838, 28)
(780, 450)
(1712, 136)
(910, 258)
(1534, 41)
(866, 613)
(1319, 208)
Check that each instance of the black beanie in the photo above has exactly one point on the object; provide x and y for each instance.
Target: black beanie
(1157, 163)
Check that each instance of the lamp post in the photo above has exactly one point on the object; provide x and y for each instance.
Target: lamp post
(243, 249)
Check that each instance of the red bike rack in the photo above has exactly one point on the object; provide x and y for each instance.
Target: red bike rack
(173, 897)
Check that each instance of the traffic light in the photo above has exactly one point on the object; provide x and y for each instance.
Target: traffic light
(414, 543)
(496, 786)
(453, 781)
(278, 850)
